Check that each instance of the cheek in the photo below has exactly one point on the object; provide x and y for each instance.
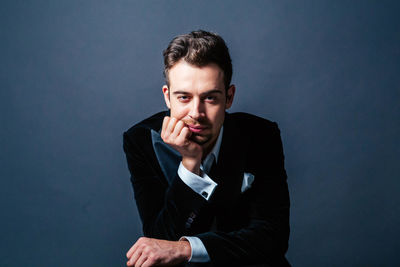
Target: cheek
(218, 117)
(179, 111)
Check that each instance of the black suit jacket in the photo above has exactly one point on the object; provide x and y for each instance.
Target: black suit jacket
(251, 227)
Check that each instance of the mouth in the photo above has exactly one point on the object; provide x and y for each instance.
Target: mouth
(197, 128)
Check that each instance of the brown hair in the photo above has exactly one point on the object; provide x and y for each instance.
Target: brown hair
(199, 48)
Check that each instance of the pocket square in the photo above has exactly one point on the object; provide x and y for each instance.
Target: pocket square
(248, 179)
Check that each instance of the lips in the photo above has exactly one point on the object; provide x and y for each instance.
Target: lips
(197, 128)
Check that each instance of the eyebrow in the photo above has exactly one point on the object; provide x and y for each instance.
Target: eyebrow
(183, 92)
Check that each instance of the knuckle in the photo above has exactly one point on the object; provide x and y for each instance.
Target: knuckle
(147, 251)
(140, 247)
(151, 260)
(166, 140)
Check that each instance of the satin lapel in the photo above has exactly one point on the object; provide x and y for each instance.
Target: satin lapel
(230, 165)
(167, 157)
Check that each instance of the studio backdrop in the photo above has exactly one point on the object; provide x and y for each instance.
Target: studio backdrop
(74, 75)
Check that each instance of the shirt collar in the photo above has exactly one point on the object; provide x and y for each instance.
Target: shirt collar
(217, 146)
(207, 162)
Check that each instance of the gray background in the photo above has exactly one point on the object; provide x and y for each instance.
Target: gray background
(75, 74)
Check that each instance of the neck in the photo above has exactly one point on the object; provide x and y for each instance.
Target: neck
(208, 148)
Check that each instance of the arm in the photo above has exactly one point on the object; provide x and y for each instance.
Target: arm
(164, 209)
(172, 203)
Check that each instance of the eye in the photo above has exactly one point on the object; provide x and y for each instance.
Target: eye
(183, 98)
(211, 98)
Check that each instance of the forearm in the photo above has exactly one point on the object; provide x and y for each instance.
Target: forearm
(253, 244)
(168, 218)
(164, 205)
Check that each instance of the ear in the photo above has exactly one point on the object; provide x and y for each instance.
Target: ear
(166, 96)
(230, 93)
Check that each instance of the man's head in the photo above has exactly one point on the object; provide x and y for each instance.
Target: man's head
(198, 72)
(198, 48)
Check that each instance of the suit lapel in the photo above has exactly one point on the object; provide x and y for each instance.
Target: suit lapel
(231, 159)
(167, 157)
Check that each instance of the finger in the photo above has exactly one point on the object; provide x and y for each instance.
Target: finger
(165, 123)
(177, 130)
(135, 257)
(184, 135)
(130, 251)
(171, 126)
(141, 260)
(147, 263)
(135, 246)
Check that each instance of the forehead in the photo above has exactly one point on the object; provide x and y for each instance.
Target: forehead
(184, 76)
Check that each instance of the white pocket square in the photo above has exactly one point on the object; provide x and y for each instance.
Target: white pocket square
(248, 179)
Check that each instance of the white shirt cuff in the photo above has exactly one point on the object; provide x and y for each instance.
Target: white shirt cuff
(204, 186)
(199, 252)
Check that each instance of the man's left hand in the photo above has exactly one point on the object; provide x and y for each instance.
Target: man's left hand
(156, 252)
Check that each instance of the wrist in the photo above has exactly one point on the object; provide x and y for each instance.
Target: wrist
(185, 250)
(192, 165)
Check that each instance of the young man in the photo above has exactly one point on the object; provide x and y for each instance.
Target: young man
(210, 186)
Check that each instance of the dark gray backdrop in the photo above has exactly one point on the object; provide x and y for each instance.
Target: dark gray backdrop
(75, 74)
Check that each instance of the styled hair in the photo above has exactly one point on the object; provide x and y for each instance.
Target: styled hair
(199, 48)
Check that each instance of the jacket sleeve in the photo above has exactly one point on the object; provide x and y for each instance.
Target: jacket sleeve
(265, 237)
(164, 208)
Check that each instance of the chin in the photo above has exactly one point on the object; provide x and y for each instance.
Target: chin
(201, 140)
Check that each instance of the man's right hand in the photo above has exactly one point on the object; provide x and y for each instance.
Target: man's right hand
(177, 134)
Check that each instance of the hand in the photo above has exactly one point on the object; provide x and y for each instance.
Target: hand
(156, 252)
(177, 134)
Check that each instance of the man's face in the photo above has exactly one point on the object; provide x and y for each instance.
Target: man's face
(197, 96)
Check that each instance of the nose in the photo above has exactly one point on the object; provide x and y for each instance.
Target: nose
(197, 109)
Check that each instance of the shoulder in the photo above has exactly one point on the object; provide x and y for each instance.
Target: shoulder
(254, 132)
(245, 122)
(153, 122)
